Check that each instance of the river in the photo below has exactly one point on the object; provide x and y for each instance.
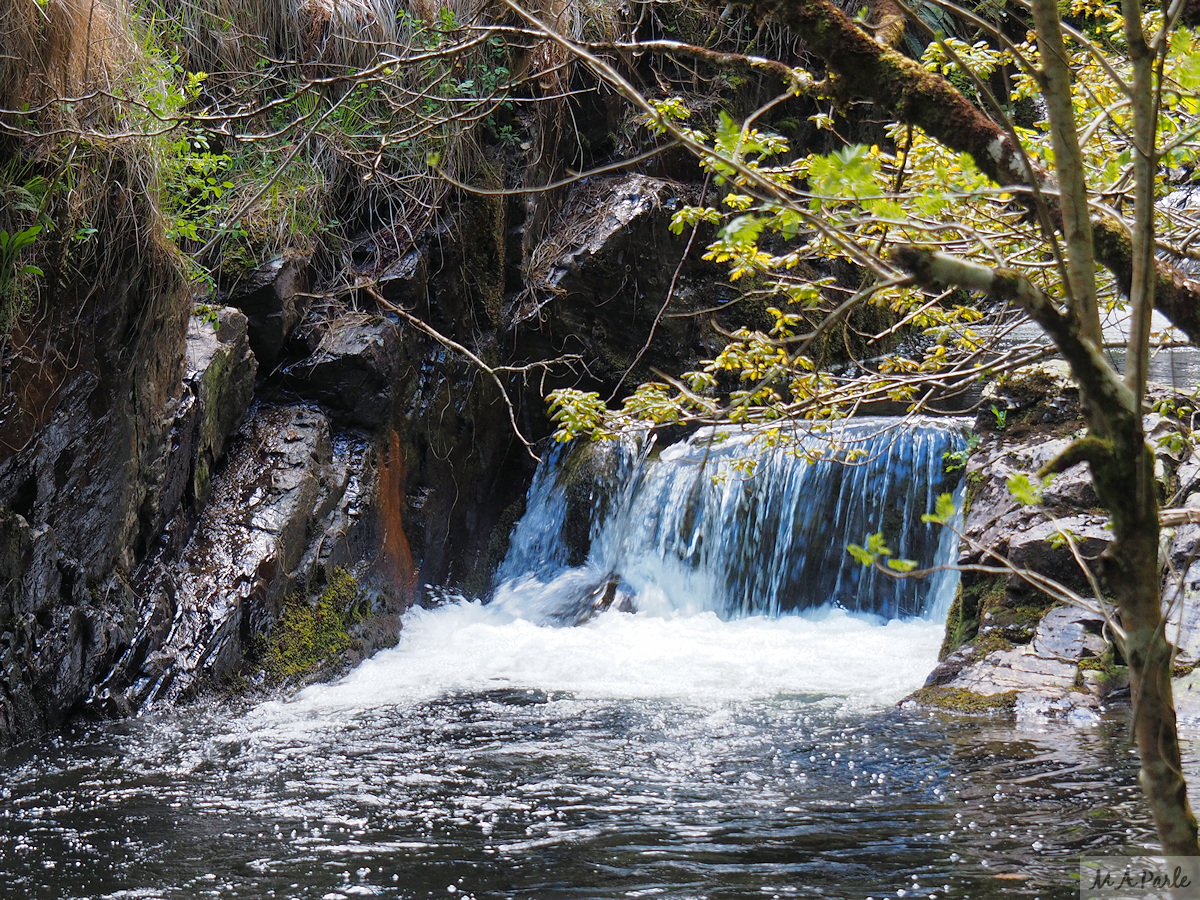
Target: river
(634, 756)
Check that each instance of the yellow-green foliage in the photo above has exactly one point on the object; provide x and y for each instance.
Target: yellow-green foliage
(310, 636)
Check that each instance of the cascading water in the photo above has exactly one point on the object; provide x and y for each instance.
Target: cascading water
(737, 523)
(705, 747)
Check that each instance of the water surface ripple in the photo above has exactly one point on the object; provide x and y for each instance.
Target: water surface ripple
(635, 756)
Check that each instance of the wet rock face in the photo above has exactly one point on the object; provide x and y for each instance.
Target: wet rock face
(275, 300)
(292, 504)
(465, 468)
(91, 384)
(220, 380)
(57, 637)
(602, 274)
(351, 370)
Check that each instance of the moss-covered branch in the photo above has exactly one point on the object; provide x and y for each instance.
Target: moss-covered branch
(1089, 449)
(1099, 381)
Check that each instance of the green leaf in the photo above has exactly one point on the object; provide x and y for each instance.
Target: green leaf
(860, 553)
(943, 512)
(872, 551)
(743, 230)
(1061, 537)
(902, 565)
(1024, 491)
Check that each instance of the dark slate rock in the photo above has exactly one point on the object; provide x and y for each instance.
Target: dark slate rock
(1071, 634)
(275, 300)
(287, 504)
(352, 370)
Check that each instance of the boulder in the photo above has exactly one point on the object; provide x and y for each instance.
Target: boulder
(1021, 669)
(1181, 606)
(1070, 634)
(220, 376)
(1064, 672)
(600, 277)
(275, 300)
(352, 370)
(1041, 547)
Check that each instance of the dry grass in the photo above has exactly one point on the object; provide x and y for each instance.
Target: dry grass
(79, 49)
(233, 36)
(88, 171)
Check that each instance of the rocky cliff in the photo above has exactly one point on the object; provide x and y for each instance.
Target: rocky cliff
(181, 471)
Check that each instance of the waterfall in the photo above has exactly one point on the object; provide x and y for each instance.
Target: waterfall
(736, 522)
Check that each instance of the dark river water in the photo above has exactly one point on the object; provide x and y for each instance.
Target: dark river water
(636, 756)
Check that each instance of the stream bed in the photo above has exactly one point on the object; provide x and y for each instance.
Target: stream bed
(675, 756)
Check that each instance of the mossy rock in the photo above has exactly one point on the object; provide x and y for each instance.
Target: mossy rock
(974, 597)
(1038, 399)
(985, 606)
(992, 640)
(1018, 623)
(311, 637)
(589, 476)
(959, 700)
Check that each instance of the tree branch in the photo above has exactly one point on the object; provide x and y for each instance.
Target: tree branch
(1068, 164)
(1089, 450)
(904, 91)
(1108, 393)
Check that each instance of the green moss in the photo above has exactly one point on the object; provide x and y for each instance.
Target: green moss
(201, 480)
(963, 701)
(991, 642)
(1112, 672)
(985, 600)
(955, 628)
(1026, 614)
(307, 636)
(973, 598)
(975, 481)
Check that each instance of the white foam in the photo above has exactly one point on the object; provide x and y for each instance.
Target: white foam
(697, 658)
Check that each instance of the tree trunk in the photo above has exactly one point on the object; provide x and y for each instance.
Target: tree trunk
(1126, 487)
